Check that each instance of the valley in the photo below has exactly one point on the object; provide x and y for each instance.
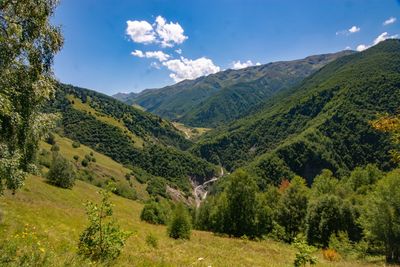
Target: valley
(227, 161)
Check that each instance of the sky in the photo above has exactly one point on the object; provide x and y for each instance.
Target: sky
(116, 46)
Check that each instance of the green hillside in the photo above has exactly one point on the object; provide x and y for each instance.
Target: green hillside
(50, 219)
(323, 123)
(139, 140)
(227, 95)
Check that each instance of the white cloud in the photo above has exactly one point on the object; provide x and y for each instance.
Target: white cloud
(155, 65)
(383, 36)
(162, 32)
(138, 53)
(347, 48)
(354, 29)
(239, 65)
(140, 31)
(258, 64)
(184, 68)
(179, 51)
(160, 55)
(390, 20)
(169, 33)
(361, 47)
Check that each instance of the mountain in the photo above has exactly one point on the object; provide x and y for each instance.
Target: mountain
(227, 95)
(322, 123)
(148, 145)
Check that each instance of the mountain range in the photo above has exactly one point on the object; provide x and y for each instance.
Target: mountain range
(227, 95)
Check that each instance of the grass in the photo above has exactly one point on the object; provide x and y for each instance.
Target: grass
(103, 168)
(58, 216)
(77, 104)
(190, 132)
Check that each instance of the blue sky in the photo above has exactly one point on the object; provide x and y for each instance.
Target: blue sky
(210, 36)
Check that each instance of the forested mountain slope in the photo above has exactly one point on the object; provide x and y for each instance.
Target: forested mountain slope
(132, 137)
(322, 123)
(227, 95)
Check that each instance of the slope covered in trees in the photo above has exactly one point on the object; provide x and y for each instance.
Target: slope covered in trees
(322, 123)
(227, 95)
(129, 136)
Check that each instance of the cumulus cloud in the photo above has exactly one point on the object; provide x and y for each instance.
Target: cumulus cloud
(140, 31)
(167, 34)
(236, 65)
(383, 36)
(160, 55)
(184, 68)
(361, 47)
(352, 30)
(390, 20)
(179, 51)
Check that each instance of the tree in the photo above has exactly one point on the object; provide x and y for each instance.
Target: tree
(180, 226)
(292, 208)
(28, 43)
(102, 239)
(242, 205)
(323, 219)
(61, 172)
(390, 124)
(381, 216)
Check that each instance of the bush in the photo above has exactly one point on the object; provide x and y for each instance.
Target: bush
(303, 255)
(103, 239)
(156, 212)
(51, 140)
(151, 240)
(1, 216)
(76, 144)
(85, 162)
(180, 226)
(76, 157)
(61, 172)
(331, 255)
(124, 190)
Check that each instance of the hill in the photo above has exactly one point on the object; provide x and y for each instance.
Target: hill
(148, 145)
(227, 95)
(322, 123)
(50, 219)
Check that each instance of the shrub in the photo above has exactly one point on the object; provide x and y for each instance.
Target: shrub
(151, 240)
(1, 216)
(51, 140)
(85, 162)
(303, 255)
(180, 226)
(93, 159)
(76, 144)
(124, 190)
(61, 172)
(103, 239)
(331, 255)
(156, 212)
(76, 157)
